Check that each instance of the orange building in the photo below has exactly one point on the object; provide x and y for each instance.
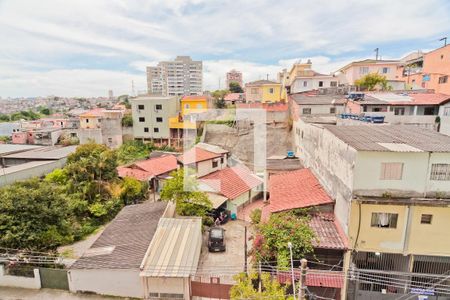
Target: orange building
(431, 71)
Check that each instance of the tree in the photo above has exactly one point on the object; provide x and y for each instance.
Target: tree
(132, 191)
(271, 241)
(131, 151)
(270, 288)
(219, 95)
(235, 87)
(372, 80)
(184, 193)
(127, 120)
(34, 215)
(45, 111)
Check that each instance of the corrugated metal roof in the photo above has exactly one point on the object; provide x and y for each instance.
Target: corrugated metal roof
(125, 240)
(311, 99)
(175, 248)
(49, 152)
(391, 138)
(13, 148)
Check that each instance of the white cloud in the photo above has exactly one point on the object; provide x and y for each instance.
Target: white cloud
(258, 37)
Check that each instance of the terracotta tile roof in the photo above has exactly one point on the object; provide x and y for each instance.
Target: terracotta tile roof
(146, 169)
(159, 165)
(233, 97)
(425, 99)
(96, 112)
(195, 155)
(296, 189)
(328, 232)
(316, 278)
(134, 173)
(232, 182)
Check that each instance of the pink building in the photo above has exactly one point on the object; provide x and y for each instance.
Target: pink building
(357, 69)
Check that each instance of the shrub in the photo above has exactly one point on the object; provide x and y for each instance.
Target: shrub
(255, 216)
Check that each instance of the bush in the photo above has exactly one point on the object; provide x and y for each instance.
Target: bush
(255, 216)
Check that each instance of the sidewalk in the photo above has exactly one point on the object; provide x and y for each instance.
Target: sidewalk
(7, 293)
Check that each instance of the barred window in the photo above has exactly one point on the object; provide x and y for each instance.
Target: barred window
(306, 111)
(440, 172)
(170, 295)
(426, 219)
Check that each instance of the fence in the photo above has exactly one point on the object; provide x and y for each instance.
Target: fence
(30, 282)
(54, 278)
(211, 288)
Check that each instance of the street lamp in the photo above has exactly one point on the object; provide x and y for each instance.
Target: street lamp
(292, 268)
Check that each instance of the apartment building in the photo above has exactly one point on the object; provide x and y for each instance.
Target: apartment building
(391, 185)
(179, 77)
(302, 77)
(234, 76)
(427, 70)
(357, 69)
(264, 91)
(151, 117)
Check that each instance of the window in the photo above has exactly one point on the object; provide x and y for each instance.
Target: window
(254, 91)
(159, 119)
(363, 70)
(443, 79)
(391, 171)
(385, 70)
(110, 140)
(199, 106)
(384, 220)
(428, 111)
(440, 172)
(141, 106)
(399, 111)
(447, 111)
(215, 163)
(332, 110)
(320, 83)
(141, 119)
(306, 111)
(442, 56)
(156, 129)
(87, 120)
(145, 129)
(426, 219)
(305, 83)
(158, 106)
(221, 160)
(187, 106)
(333, 83)
(270, 90)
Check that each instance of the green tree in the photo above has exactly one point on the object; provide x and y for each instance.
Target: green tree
(132, 191)
(235, 87)
(219, 95)
(127, 120)
(272, 238)
(185, 194)
(270, 288)
(372, 80)
(4, 118)
(131, 151)
(34, 215)
(45, 111)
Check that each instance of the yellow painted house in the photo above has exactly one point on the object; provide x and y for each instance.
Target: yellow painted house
(264, 91)
(189, 105)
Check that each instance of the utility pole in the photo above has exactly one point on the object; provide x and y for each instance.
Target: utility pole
(376, 53)
(302, 288)
(292, 268)
(267, 76)
(245, 249)
(445, 40)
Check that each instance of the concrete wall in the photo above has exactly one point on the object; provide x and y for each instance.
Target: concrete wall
(409, 237)
(122, 283)
(312, 83)
(321, 109)
(112, 132)
(233, 205)
(331, 160)
(167, 285)
(16, 173)
(415, 180)
(205, 167)
(87, 135)
(169, 109)
(19, 281)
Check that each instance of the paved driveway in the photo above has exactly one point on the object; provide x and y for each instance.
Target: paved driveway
(225, 264)
(7, 293)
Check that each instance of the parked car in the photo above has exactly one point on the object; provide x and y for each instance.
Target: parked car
(216, 239)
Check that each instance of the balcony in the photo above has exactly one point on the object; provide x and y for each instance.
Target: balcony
(174, 123)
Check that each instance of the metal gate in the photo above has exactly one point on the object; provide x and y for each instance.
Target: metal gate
(54, 278)
(211, 289)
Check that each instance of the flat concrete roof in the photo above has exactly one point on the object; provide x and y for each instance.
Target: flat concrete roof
(49, 152)
(175, 248)
(6, 149)
(24, 167)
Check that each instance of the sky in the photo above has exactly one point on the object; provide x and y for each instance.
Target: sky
(86, 47)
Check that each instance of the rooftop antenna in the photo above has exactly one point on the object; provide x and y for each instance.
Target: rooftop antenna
(132, 88)
(445, 40)
(376, 53)
(267, 76)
